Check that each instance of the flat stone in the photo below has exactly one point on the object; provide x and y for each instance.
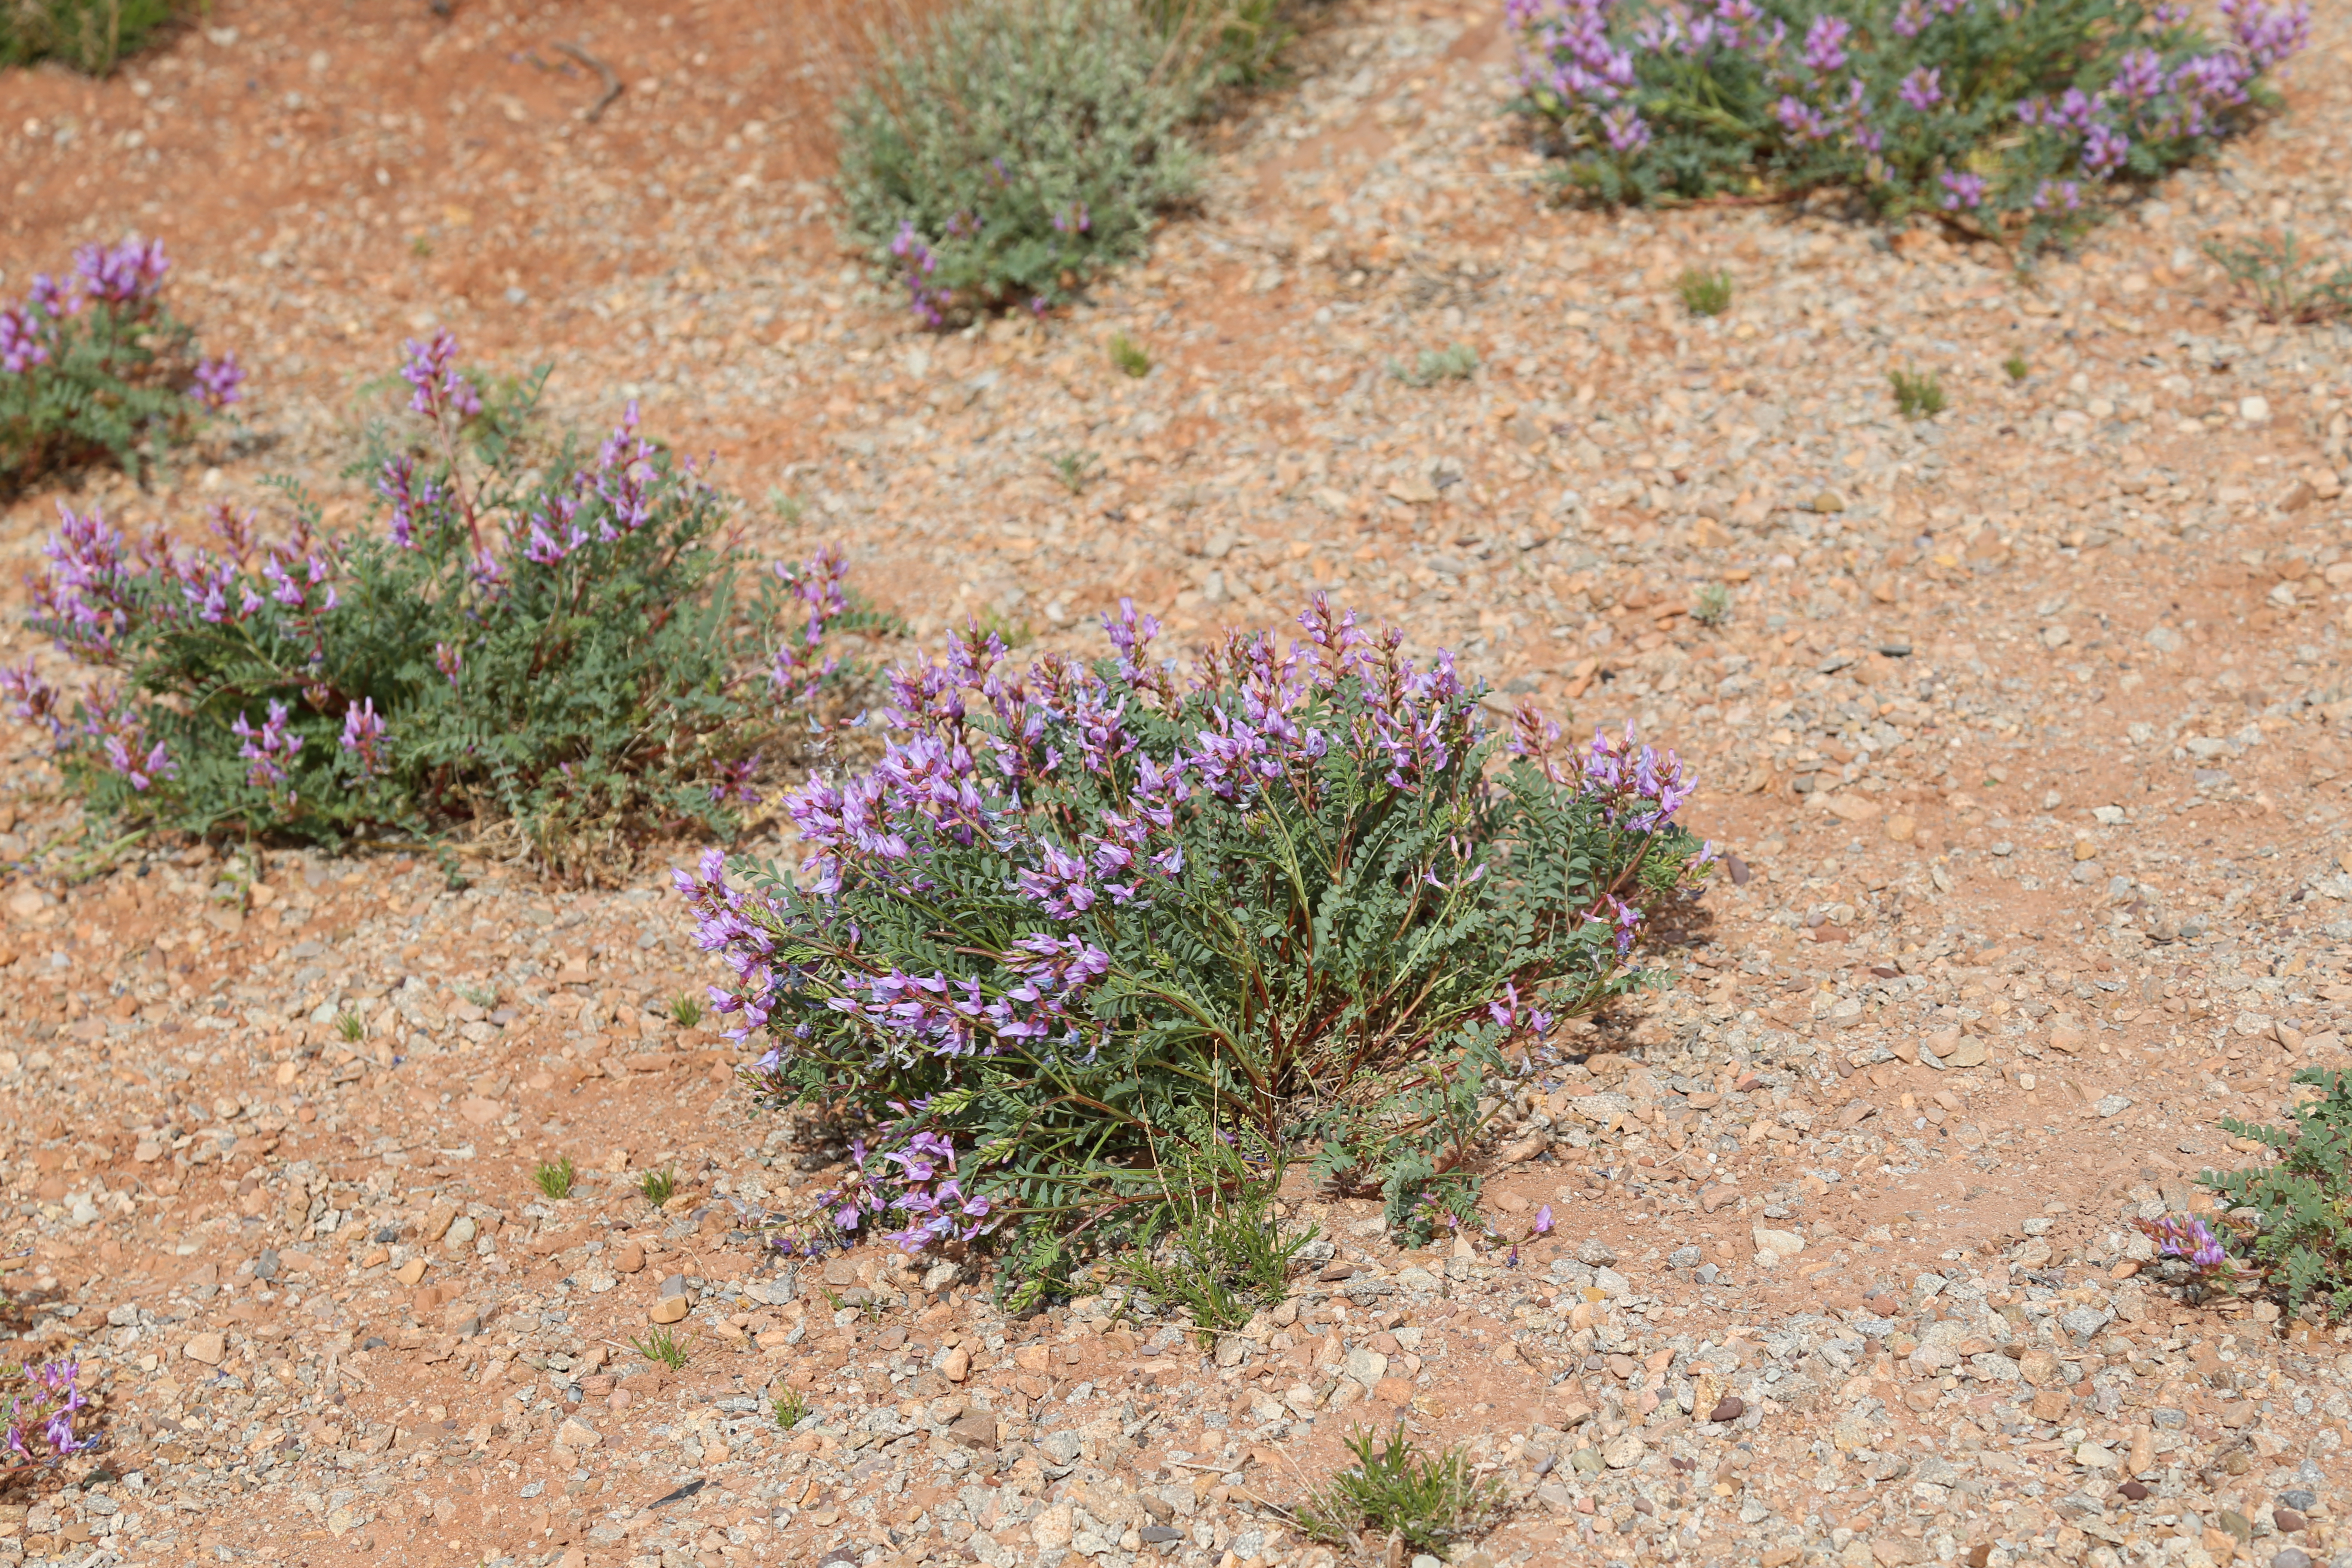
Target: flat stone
(1053, 1527)
(669, 1310)
(206, 1348)
(1730, 1407)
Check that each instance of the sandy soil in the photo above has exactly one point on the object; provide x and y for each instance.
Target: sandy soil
(2028, 728)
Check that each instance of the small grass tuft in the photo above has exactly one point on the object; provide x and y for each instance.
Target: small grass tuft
(1434, 365)
(659, 1186)
(1704, 293)
(2016, 367)
(661, 1345)
(1129, 356)
(2285, 286)
(1007, 629)
(1428, 1500)
(555, 1177)
(480, 995)
(787, 507)
(686, 1009)
(1227, 1258)
(1917, 396)
(1073, 470)
(791, 1407)
(348, 1025)
(1713, 605)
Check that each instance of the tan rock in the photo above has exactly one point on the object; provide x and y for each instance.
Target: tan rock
(579, 1436)
(206, 1348)
(629, 1258)
(410, 1272)
(1053, 1528)
(481, 1112)
(956, 1366)
(669, 1310)
(438, 1220)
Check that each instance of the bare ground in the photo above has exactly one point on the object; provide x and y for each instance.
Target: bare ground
(2027, 726)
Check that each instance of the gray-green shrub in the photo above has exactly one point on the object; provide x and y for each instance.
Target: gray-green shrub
(1016, 148)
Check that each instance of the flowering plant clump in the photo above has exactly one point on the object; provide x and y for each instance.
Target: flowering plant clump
(2012, 114)
(1080, 926)
(96, 365)
(2290, 1230)
(1019, 147)
(568, 650)
(41, 1407)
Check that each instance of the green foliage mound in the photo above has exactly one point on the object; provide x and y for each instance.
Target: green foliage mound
(560, 647)
(1079, 927)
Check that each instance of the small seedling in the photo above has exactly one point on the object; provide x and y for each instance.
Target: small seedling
(1428, 1500)
(686, 1009)
(2286, 285)
(2017, 368)
(1227, 1258)
(1004, 629)
(420, 247)
(1916, 396)
(1129, 356)
(1073, 470)
(1713, 606)
(349, 1027)
(792, 1409)
(1434, 365)
(2301, 1245)
(663, 1346)
(554, 1177)
(1704, 293)
(659, 1186)
(480, 995)
(787, 507)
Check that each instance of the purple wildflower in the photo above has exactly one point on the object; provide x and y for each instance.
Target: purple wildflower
(267, 749)
(440, 391)
(364, 732)
(218, 381)
(2104, 149)
(1825, 44)
(1922, 88)
(1963, 193)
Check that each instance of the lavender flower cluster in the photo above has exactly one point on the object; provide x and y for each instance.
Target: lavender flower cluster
(102, 599)
(40, 1417)
(914, 1184)
(2191, 1240)
(1058, 828)
(2012, 111)
(272, 657)
(127, 281)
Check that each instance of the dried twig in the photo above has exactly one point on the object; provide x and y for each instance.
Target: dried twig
(611, 83)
